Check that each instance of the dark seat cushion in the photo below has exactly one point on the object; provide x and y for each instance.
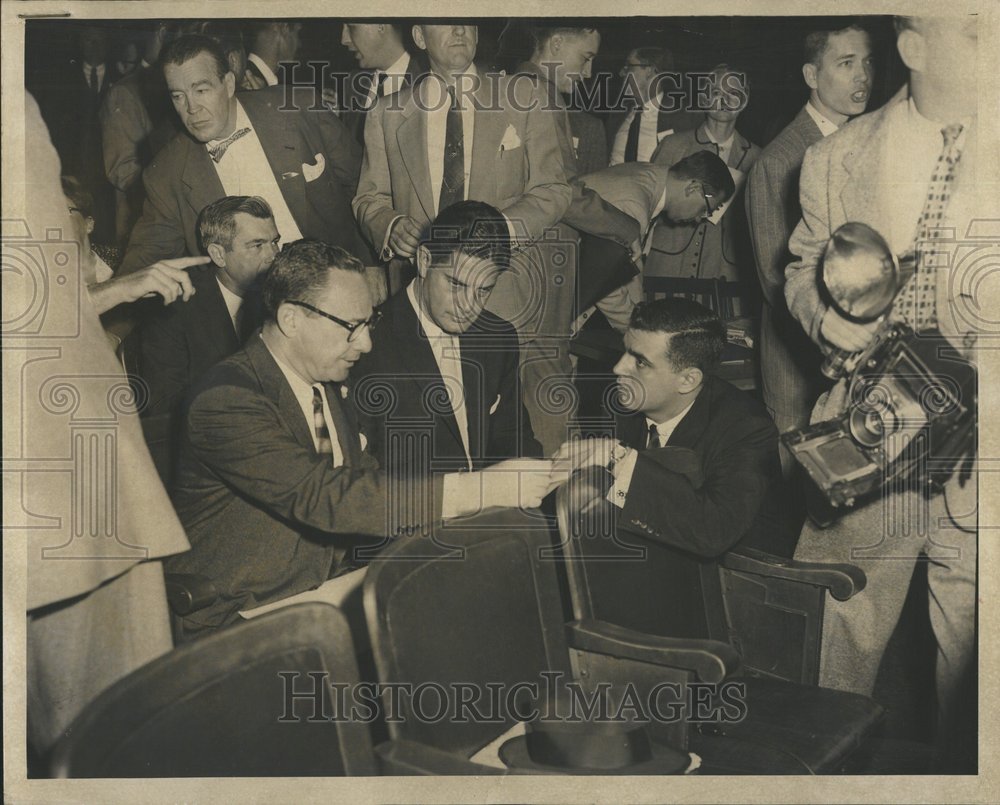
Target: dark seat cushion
(788, 729)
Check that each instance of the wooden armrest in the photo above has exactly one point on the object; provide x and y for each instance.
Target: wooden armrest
(402, 757)
(188, 592)
(842, 580)
(710, 660)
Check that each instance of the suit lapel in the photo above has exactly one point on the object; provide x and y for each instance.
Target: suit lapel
(489, 130)
(691, 428)
(411, 137)
(275, 387)
(285, 151)
(347, 431)
(474, 364)
(217, 324)
(631, 430)
(420, 357)
(199, 177)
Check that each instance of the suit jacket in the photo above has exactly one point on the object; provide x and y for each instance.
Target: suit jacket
(185, 339)
(712, 486)
(268, 516)
(355, 95)
(789, 359)
(840, 183)
(526, 181)
(182, 180)
(703, 249)
(398, 383)
(667, 122)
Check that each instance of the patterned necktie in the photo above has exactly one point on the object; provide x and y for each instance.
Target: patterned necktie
(632, 143)
(218, 151)
(652, 437)
(916, 303)
(323, 443)
(453, 178)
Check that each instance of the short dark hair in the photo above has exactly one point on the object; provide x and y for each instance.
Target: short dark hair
(698, 336)
(710, 170)
(541, 34)
(217, 221)
(816, 41)
(301, 270)
(660, 58)
(77, 192)
(473, 228)
(188, 46)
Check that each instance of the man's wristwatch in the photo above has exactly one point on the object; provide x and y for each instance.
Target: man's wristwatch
(618, 452)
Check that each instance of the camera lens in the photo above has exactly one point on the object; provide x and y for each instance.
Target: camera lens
(869, 426)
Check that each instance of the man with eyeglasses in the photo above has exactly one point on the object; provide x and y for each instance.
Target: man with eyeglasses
(654, 98)
(276, 488)
(441, 363)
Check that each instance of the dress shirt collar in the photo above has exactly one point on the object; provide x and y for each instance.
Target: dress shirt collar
(826, 126)
(267, 72)
(927, 127)
(436, 92)
(666, 428)
(233, 301)
(242, 121)
(395, 75)
(724, 146)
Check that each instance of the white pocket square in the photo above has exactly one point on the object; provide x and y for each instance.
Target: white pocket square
(496, 404)
(510, 139)
(312, 172)
(364, 441)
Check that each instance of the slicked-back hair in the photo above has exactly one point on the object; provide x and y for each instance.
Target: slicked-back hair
(818, 38)
(541, 34)
(660, 58)
(710, 170)
(217, 221)
(472, 228)
(697, 334)
(189, 46)
(302, 271)
(77, 192)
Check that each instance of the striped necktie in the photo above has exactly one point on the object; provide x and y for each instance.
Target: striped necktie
(916, 303)
(323, 443)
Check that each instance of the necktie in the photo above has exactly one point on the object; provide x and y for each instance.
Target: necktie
(323, 443)
(632, 143)
(453, 179)
(916, 302)
(93, 80)
(653, 437)
(218, 151)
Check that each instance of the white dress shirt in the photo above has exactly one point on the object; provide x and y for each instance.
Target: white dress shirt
(624, 469)
(100, 76)
(649, 137)
(395, 76)
(267, 72)
(435, 95)
(303, 392)
(233, 305)
(448, 355)
(826, 126)
(245, 171)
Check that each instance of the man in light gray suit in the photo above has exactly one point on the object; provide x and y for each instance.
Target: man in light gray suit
(838, 70)
(909, 171)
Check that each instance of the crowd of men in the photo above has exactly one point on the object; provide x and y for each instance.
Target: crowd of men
(363, 296)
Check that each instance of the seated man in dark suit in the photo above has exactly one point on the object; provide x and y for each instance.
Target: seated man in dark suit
(180, 342)
(440, 360)
(274, 485)
(305, 166)
(695, 458)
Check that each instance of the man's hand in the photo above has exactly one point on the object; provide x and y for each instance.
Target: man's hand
(167, 278)
(520, 482)
(330, 99)
(583, 453)
(405, 237)
(846, 334)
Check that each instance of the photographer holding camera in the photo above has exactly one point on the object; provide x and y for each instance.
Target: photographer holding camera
(907, 170)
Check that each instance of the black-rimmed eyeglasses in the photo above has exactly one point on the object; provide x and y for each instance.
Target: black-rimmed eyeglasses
(353, 328)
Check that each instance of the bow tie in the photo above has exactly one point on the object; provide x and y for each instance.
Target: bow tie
(217, 151)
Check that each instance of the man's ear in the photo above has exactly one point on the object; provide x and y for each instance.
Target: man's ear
(911, 48)
(691, 379)
(287, 318)
(229, 82)
(423, 261)
(90, 224)
(217, 253)
(418, 37)
(692, 186)
(809, 74)
(555, 43)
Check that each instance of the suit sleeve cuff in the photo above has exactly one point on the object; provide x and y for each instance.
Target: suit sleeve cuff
(387, 253)
(622, 472)
(460, 489)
